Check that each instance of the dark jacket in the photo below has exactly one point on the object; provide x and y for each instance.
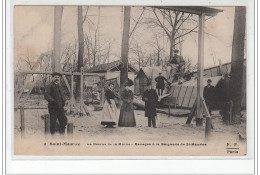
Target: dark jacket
(209, 93)
(150, 97)
(109, 95)
(54, 95)
(127, 97)
(160, 82)
(176, 59)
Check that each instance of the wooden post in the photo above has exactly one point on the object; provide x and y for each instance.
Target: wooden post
(70, 130)
(220, 67)
(208, 127)
(22, 127)
(57, 37)
(81, 92)
(169, 105)
(199, 118)
(47, 124)
(125, 47)
(102, 91)
(72, 91)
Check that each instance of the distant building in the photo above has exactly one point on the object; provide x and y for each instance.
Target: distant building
(111, 70)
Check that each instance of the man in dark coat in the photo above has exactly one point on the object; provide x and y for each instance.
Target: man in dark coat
(160, 86)
(176, 64)
(209, 94)
(56, 102)
(150, 97)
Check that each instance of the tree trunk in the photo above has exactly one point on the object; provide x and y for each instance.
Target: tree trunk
(237, 61)
(172, 46)
(125, 47)
(81, 48)
(57, 38)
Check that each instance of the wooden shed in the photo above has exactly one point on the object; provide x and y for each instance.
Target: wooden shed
(145, 73)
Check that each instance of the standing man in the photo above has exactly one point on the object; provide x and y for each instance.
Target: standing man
(56, 102)
(208, 95)
(160, 86)
(176, 64)
(150, 97)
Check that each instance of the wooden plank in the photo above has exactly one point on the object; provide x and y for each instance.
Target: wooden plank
(193, 109)
(191, 95)
(187, 96)
(66, 82)
(184, 95)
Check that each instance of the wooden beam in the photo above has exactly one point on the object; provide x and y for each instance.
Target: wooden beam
(198, 10)
(199, 117)
(62, 73)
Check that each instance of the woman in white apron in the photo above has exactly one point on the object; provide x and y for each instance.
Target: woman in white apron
(109, 113)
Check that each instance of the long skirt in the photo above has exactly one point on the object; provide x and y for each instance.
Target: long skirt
(109, 114)
(126, 119)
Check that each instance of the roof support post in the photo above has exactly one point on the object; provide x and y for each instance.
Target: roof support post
(199, 116)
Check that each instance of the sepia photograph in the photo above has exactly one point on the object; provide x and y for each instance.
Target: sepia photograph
(129, 81)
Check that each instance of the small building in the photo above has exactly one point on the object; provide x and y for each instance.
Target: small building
(111, 70)
(143, 75)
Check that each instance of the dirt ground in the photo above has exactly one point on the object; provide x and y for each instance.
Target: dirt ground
(169, 130)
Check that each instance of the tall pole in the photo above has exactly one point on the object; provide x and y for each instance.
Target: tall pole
(57, 38)
(125, 47)
(199, 118)
(237, 61)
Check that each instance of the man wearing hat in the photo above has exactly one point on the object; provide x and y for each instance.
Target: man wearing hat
(175, 65)
(56, 102)
(160, 86)
(209, 94)
(150, 98)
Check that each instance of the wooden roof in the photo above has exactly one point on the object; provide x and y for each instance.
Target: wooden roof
(198, 10)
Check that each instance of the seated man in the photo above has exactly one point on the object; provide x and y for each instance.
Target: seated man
(176, 64)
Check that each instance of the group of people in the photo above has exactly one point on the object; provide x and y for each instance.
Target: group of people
(56, 102)
(175, 69)
(219, 95)
(127, 117)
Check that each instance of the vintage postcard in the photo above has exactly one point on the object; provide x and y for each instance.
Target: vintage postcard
(130, 81)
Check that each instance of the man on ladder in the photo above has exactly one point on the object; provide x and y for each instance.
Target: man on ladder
(175, 67)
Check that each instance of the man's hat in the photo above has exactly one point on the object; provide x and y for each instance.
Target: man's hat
(209, 80)
(175, 50)
(160, 73)
(55, 73)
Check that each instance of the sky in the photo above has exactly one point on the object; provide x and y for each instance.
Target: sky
(33, 32)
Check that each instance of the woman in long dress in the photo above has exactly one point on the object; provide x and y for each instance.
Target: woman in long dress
(127, 117)
(109, 112)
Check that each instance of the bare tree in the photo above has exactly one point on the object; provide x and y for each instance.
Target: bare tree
(170, 22)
